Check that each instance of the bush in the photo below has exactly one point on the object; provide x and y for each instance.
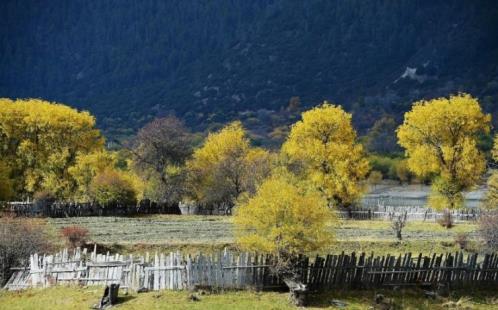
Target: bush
(111, 188)
(18, 240)
(75, 235)
(386, 165)
(461, 240)
(488, 229)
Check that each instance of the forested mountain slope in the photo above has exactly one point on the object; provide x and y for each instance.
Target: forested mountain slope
(128, 61)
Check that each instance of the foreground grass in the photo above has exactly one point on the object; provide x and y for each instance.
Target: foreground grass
(83, 298)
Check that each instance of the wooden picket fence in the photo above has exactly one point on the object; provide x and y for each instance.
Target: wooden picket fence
(162, 271)
(227, 270)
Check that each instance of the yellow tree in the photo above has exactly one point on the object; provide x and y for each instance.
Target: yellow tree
(86, 168)
(40, 140)
(219, 170)
(440, 140)
(492, 196)
(324, 143)
(286, 217)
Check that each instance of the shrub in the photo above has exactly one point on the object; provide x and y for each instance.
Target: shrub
(488, 229)
(461, 240)
(385, 165)
(112, 187)
(18, 240)
(75, 235)
(446, 220)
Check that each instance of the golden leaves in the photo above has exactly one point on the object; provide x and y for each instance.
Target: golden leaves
(325, 142)
(440, 138)
(285, 215)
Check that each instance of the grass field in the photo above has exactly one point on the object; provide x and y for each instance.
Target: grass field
(211, 233)
(83, 298)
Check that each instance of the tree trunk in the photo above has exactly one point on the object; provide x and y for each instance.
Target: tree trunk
(298, 292)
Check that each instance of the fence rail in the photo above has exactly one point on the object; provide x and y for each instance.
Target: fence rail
(227, 270)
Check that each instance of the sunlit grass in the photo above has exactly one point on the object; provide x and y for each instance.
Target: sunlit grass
(83, 298)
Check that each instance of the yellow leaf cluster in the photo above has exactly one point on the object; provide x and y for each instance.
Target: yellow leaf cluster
(285, 216)
(324, 142)
(41, 140)
(86, 167)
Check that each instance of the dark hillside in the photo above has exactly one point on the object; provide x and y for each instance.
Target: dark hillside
(128, 61)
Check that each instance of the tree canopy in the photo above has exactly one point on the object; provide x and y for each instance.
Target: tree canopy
(285, 217)
(41, 140)
(440, 140)
(159, 152)
(226, 166)
(324, 143)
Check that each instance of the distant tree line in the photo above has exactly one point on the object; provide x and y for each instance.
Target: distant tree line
(51, 151)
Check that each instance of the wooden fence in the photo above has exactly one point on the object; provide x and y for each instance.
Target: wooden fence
(412, 213)
(30, 209)
(372, 201)
(226, 270)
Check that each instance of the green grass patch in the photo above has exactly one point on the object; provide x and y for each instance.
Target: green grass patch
(83, 298)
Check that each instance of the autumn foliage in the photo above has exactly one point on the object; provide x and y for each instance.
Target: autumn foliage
(440, 140)
(324, 143)
(40, 141)
(286, 217)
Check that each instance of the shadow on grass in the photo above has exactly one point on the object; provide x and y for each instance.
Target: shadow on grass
(405, 298)
(124, 299)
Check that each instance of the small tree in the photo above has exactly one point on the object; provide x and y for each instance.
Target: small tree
(398, 222)
(488, 229)
(374, 178)
(285, 218)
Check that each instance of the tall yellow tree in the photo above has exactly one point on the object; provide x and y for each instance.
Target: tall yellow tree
(40, 140)
(492, 196)
(225, 167)
(440, 140)
(324, 143)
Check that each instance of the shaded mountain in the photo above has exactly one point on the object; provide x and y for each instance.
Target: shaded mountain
(128, 61)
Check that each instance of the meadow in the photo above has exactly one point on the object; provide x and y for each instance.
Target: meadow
(212, 233)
